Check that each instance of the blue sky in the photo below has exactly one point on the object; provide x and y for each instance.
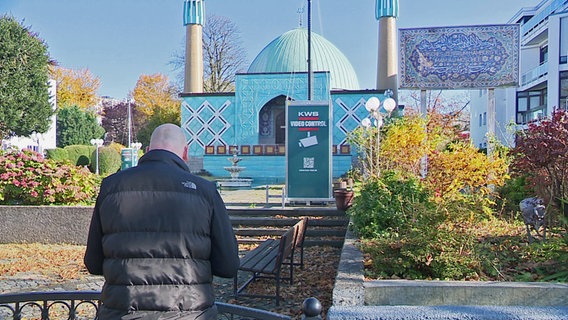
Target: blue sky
(118, 40)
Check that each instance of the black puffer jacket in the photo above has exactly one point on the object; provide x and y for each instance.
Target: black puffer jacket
(158, 235)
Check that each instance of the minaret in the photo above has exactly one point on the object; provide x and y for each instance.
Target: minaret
(387, 67)
(193, 19)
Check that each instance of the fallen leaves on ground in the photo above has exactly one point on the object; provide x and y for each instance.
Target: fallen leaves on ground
(60, 262)
(65, 262)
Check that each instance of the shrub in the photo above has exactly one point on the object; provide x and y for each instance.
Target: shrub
(541, 153)
(460, 168)
(510, 195)
(109, 161)
(57, 154)
(388, 205)
(79, 155)
(27, 178)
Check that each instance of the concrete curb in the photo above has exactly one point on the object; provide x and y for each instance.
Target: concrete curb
(447, 313)
(355, 298)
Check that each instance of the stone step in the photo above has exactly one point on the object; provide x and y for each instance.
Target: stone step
(326, 227)
(288, 212)
(286, 222)
(249, 232)
(335, 243)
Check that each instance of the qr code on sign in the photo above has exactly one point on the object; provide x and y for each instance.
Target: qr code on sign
(309, 163)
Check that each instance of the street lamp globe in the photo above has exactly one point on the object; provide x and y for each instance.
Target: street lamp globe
(376, 118)
(136, 145)
(389, 104)
(372, 104)
(366, 123)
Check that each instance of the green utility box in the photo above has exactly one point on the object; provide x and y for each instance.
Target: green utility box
(129, 158)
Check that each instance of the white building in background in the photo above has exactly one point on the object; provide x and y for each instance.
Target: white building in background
(543, 83)
(38, 141)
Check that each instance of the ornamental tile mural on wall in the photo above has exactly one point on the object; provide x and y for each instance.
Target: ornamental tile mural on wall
(205, 125)
(460, 57)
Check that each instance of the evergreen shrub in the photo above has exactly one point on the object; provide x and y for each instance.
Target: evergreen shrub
(109, 161)
(79, 155)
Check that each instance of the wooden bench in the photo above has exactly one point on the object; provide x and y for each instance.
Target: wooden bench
(266, 260)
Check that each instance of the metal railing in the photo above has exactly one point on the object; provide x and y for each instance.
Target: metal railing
(541, 16)
(83, 305)
(534, 74)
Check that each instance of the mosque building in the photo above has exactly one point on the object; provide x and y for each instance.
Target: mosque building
(250, 122)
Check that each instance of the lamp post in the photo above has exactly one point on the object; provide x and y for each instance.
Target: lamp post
(373, 106)
(36, 137)
(135, 147)
(97, 143)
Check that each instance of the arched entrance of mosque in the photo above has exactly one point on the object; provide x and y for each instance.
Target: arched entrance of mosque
(272, 122)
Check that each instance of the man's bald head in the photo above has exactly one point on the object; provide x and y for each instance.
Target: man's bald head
(171, 138)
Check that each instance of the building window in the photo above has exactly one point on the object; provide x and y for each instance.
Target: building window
(543, 54)
(484, 118)
(531, 105)
(564, 40)
(563, 103)
(480, 119)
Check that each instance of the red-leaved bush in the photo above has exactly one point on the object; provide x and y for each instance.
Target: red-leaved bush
(541, 153)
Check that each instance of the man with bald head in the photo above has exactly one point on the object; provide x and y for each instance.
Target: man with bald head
(158, 235)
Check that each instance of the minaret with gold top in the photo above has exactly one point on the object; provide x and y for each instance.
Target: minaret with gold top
(386, 11)
(193, 19)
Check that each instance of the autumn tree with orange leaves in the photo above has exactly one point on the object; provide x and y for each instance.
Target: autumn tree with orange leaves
(76, 87)
(156, 102)
(155, 94)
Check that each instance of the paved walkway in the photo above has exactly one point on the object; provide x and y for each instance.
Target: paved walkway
(252, 197)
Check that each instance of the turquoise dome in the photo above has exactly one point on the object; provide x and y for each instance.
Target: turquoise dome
(289, 53)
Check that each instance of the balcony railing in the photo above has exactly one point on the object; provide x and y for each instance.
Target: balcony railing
(541, 16)
(534, 74)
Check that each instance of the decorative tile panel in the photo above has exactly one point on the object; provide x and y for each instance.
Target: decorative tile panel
(204, 124)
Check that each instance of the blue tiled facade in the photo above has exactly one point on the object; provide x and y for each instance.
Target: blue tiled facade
(251, 119)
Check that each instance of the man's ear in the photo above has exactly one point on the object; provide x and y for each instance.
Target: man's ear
(185, 150)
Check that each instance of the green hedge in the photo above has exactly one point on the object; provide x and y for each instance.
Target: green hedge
(109, 161)
(57, 154)
(80, 155)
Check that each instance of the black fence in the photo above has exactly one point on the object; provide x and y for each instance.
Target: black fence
(83, 305)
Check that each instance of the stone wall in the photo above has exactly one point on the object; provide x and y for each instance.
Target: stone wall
(44, 224)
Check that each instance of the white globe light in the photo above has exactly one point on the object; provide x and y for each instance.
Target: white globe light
(389, 104)
(372, 104)
(366, 122)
